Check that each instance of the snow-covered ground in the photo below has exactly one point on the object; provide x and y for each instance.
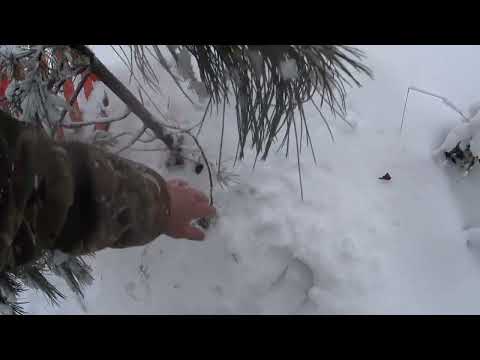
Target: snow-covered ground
(357, 244)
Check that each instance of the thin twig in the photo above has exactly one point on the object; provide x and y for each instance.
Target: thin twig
(206, 163)
(280, 277)
(133, 140)
(204, 116)
(74, 125)
(444, 100)
(298, 159)
(404, 108)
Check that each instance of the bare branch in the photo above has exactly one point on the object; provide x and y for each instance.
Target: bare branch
(75, 125)
(117, 87)
(298, 160)
(204, 116)
(206, 163)
(404, 108)
(444, 100)
(133, 140)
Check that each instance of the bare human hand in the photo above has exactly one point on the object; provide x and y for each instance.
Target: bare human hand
(186, 204)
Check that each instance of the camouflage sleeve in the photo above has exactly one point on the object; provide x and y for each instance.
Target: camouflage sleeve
(33, 218)
(7, 206)
(117, 203)
(78, 199)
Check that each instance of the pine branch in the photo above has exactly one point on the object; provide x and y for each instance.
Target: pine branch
(265, 94)
(321, 69)
(73, 269)
(10, 288)
(15, 308)
(10, 284)
(34, 278)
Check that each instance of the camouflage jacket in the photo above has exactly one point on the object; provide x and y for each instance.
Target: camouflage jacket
(73, 197)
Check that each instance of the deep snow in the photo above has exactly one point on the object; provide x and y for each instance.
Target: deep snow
(357, 244)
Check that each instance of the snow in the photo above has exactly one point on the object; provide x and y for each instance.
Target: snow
(357, 244)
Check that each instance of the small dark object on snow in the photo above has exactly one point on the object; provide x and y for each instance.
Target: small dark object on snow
(385, 177)
(198, 168)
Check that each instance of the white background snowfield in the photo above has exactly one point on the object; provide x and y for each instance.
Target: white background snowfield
(356, 245)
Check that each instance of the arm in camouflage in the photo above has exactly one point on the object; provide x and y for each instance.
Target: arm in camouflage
(117, 203)
(73, 197)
